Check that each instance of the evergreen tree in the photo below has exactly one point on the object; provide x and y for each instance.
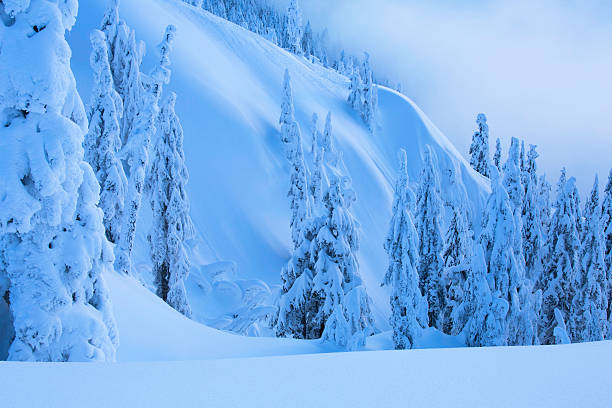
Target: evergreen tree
(497, 155)
(338, 292)
(606, 225)
(136, 150)
(292, 141)
(294, 28)
(533, 237)
(562, 263)
(369, 94)
(482, 310)
(408, 307)
(544, 189)
(307, 41)
(431, 244)
(103, 140)
(172, 226)
(479, 150)
(589, 307)
(456, 256)
(54, 248)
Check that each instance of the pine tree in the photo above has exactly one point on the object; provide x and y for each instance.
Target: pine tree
(408, 307)
(172, 226)
(290, 136)
(307, 41)
(136, 150)
(562, 263)
(497, 155)
(482, 310)
(606, 225)
(338, 292)
(589, 307)
(533, 237)
(456, 255)
(355, 98)
(523, 164)
(369, 94)
(431, 243)
(479, 150)
(50, 225)
(294, 28)
(103, 140)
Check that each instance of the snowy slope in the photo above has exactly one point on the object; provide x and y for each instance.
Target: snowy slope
(228, 82)
(552, 376)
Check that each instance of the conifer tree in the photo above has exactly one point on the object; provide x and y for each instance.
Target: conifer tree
(172, 226)
(338, 292)
(479, 150)
(562, 263)
(103, 140)
(482, 310)
(497, 155)
(533, 238)
(431, 243)
(54, 248)
(456, 256)
(369, 94)
(307, 41)
(294, 28)
(408, 307)
(589, 307)
(606, 225)
(136, 149)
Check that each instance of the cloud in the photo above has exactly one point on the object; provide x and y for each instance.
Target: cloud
(541, 71)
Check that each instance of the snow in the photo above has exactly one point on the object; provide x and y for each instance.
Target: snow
(229, 83)
(417, 378)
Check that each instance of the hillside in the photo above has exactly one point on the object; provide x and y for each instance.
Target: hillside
(228, 82)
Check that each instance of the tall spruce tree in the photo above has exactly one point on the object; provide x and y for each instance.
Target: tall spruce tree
(408, 307)
(497, 155)
(562, 263)
(479, 150)
(172, 226)
(606, 225)
(135, 152)
(294, 28)
(431, 242)
(54, 246)
(589, 307)
(103, 139)
(533, 237)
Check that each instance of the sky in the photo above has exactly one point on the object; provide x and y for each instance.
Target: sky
(541, 71)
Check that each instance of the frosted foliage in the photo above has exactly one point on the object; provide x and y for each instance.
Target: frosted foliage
(135, 152)
(589, 308)
(172, 226)
(103, 139)
(431, 242)
(497, 155)
(562, 263)
(533, 235)
(484, 311)
(479, 149)
(606, 225)
(408, 306)
(54, 248)
(294, 27)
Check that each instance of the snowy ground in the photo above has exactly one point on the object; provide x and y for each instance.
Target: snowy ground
(559, 376)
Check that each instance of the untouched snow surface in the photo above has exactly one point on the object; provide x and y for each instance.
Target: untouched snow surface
(549, 376)
(228, 82)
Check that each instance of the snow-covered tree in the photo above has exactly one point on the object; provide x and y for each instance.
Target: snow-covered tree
(606, 226)
(355, 98)
(172, 226)
(54, 246)
(431, 242)
(369, 93)
(589, 307)
(291, 137)
(307, 41)
(336, 279)
(482, 310)
(533, 237)
(103, 140)
(497, 155)
(135, 152)
(408, 306)
(457, 252)
(544, 190)
(294, 28)
(562, 263)
(479, 150)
